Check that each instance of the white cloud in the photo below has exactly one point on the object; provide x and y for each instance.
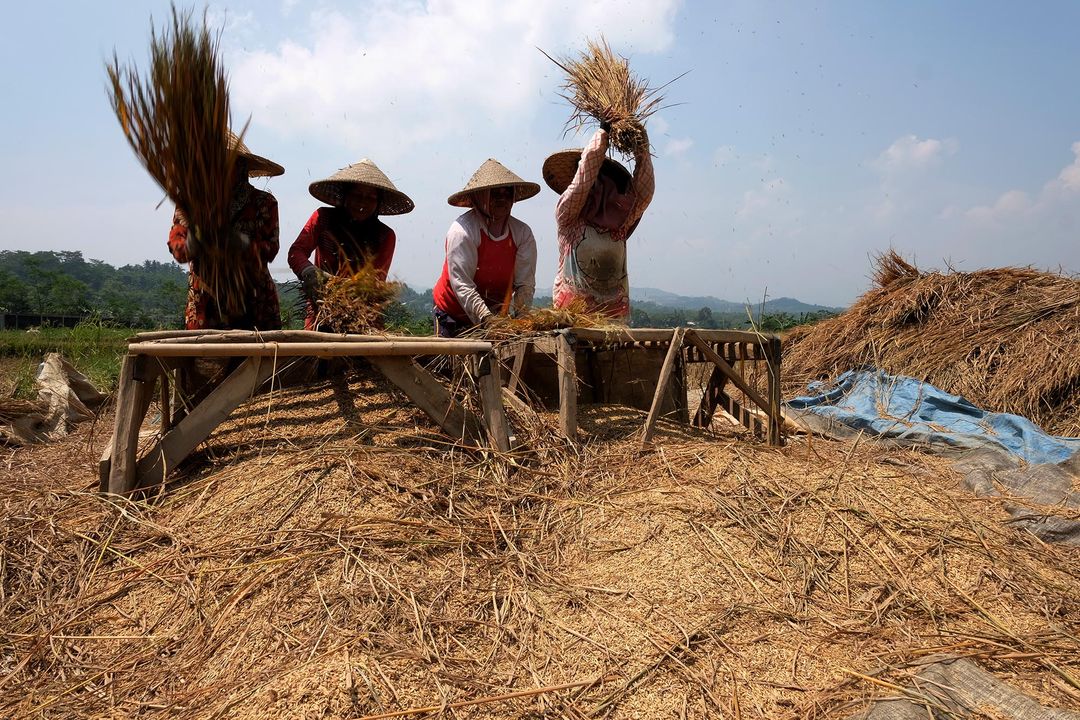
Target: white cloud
(677, 147)
(767, 195)
(658, 126)
(408, 73)
(911, 153)
(724, 154)
(1056, 197)
(1010, 203)
(1070, 176)
(1024, 228)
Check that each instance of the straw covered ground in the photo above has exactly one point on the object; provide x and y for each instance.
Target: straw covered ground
(328, 554)
(1007, 339)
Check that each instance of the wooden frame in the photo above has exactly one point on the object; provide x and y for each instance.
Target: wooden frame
(151, 356)
(723, 349)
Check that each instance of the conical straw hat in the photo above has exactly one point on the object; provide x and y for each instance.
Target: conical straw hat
(258, 166)
(560, 167)
(493, 174)
(332, 190)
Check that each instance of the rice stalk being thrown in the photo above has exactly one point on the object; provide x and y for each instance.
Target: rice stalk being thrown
(355, 302)
(176, 119)
(601, 88)
(1007, 339)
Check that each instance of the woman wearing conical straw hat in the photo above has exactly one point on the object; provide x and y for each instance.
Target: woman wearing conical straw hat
(599, 207)
(490, 262)
(255, 222)
(349, 234)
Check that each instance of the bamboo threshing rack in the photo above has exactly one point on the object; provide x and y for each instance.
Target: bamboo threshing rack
(576, 352)
(158, 359)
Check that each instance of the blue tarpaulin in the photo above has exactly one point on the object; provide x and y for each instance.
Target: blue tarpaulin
(903, 408)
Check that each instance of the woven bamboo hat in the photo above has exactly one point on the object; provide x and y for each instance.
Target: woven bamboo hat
(333, 189)
(560, 167)
(493, 174)
(258, 166)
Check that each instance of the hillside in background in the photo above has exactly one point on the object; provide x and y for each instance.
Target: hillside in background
(152, 295)
(696, 302)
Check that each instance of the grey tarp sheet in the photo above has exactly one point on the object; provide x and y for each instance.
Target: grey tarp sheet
(965, 690)
(999, 454)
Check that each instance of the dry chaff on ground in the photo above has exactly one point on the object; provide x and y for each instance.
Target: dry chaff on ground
(1007, 339)
(601, 88)
(355, 302)
(328, 554)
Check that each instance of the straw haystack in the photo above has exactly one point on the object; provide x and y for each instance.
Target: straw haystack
(328, 555)
(1007, 339)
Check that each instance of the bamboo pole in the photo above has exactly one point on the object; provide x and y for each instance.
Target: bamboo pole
(234, 336)
(320, 349)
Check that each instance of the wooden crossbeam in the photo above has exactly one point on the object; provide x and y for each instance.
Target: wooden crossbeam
(662, 384)
(746, 418)
(428, 394)
(197, 425)
(378, 348)
(241, 336)
(725, 368)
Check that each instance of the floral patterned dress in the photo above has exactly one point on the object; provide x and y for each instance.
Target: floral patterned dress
(254, 215)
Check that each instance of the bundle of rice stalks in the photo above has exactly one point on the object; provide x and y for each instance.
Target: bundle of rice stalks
(176, 119)
(600, 87)
(355, 302)
(539, 320)
(1007, 339)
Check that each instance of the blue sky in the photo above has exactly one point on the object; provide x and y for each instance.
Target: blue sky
(805, 138)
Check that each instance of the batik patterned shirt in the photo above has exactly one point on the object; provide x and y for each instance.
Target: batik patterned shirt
(255, 216)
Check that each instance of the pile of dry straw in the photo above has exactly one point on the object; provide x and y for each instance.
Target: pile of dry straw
(324, 559)
(1007, 339)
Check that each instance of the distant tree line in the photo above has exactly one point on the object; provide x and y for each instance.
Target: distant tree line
(64, 283)
(153, 294)
(648, 314)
